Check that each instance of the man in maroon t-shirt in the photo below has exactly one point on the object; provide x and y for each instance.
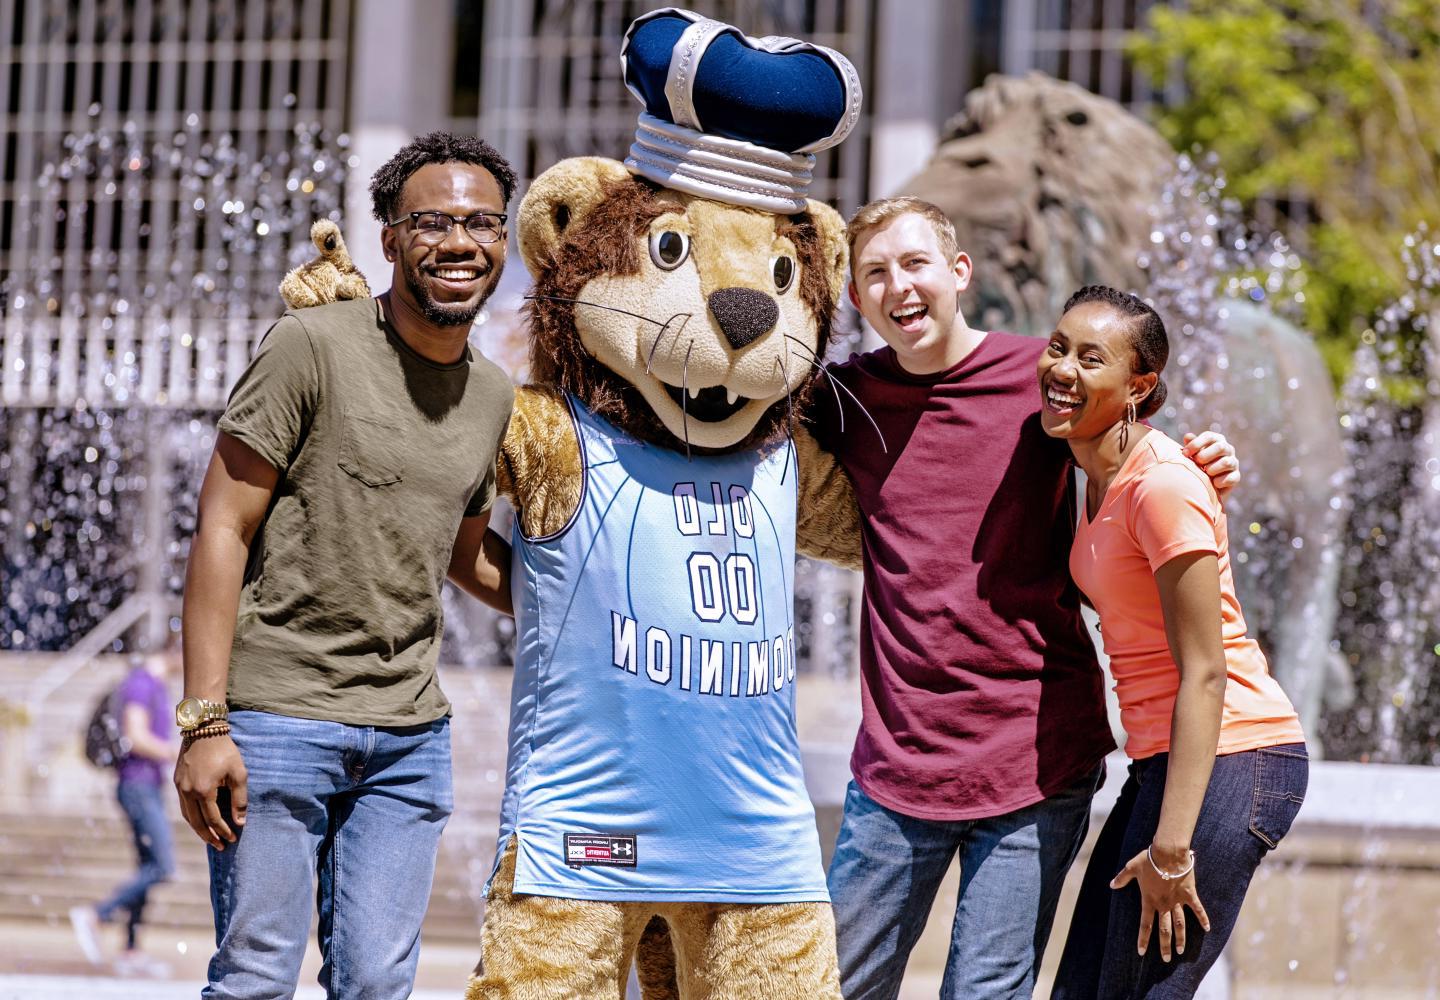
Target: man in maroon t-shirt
(983, 727)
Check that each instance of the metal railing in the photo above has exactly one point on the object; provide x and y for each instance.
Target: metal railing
(130, 612)
(160, 158)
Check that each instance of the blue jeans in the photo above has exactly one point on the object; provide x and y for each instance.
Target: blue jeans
(888, 866)
(356, 810)
(145, 809)
(1249, 805)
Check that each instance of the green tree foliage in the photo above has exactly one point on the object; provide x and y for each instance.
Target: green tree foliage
(1338, 100)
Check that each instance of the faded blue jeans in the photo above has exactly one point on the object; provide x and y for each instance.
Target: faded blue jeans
(888, 866)
(342, 819)
(1252, 799)
(145, 809)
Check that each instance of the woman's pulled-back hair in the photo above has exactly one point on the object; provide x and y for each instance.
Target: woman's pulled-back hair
(1147, 337)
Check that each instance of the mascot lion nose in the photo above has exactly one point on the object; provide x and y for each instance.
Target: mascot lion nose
(743, 314)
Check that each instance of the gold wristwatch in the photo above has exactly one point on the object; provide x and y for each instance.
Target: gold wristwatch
(192, 713)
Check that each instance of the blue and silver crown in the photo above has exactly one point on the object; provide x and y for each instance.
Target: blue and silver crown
(731, 117)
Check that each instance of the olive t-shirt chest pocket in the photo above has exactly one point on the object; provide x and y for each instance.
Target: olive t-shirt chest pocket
(372, 451)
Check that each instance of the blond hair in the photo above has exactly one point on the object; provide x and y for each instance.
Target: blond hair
(883, 211)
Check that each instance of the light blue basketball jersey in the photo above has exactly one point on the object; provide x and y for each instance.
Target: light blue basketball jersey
(653, 751)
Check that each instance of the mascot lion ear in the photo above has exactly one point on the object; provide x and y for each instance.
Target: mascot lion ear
(833, 244)
(558, 199)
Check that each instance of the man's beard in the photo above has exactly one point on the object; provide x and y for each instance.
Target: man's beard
(448, 313)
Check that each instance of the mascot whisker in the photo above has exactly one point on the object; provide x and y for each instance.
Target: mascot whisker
(836, 384)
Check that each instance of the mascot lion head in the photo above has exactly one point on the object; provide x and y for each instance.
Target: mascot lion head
(685, 320)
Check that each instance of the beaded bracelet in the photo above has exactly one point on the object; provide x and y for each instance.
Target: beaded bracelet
(1170, 876)
(214, 729)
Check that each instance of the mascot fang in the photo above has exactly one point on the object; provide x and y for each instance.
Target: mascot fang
(662, 484)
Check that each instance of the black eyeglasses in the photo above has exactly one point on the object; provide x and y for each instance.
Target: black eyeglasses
(433, 227)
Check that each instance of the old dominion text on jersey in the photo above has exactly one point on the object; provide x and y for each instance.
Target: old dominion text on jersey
(720, 586)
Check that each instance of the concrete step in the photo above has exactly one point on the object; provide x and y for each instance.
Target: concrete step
(187, 906)
(17, 987)
(452, 915)
(51, 767)
(51, 861)
(105, 828)
(14, 872)
(24, 669)
(162, 909)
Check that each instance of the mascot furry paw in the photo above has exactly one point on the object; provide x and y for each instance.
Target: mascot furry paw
(330, 277)
(661, 481)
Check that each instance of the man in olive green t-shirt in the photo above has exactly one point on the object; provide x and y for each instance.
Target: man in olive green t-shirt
(353, 472)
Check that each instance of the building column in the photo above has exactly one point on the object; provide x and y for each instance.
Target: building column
(1018, 31)
(19, 473)
(921, 62)
(153, 562)
(389, 108)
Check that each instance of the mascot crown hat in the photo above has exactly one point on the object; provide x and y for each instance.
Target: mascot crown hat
(730, 117)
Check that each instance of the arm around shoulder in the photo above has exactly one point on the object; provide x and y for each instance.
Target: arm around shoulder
(827, 524)
(540, 469)
(1215, 455)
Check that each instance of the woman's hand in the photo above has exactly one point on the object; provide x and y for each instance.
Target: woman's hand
(1162, 898)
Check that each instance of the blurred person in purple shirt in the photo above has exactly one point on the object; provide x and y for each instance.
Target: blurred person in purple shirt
(146, 722)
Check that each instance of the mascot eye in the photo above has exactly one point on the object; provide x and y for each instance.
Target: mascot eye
(784, 271)
(668, 249)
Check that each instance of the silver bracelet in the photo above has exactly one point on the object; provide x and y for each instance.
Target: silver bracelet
(1169, 876)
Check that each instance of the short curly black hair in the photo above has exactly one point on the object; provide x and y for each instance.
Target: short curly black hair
(437, 147)
(1147, 337)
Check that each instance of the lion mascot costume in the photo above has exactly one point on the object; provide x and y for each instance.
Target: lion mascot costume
(662, 483)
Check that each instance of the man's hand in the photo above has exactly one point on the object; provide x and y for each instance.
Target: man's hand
(206, 766)
(1216, 458)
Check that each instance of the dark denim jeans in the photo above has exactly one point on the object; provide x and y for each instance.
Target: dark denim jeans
(888, 866)
(343, 820)
(1249, 805)
(144, 806)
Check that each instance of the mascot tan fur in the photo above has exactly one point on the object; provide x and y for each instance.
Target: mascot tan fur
(328, 278)
(673, 340)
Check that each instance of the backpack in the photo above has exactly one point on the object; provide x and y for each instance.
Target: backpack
(105, 744)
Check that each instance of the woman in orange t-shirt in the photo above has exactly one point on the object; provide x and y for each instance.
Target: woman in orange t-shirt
(1219, 766)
